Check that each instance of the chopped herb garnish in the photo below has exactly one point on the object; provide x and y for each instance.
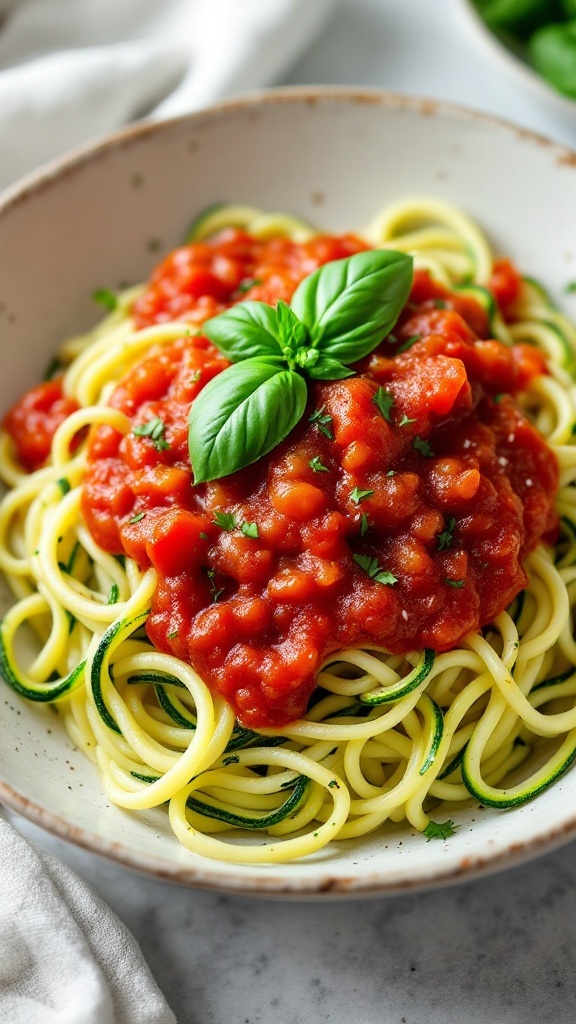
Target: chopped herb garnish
(231, 759)
(439, 830)
(214, 590)
(357, 495)
(423, 447)
(406, 420)
(250, 530)
(408, 343)
(440, 304)
(455, 583)
(392, 339)
(323, 421)
(384, 400)
(172, 635)
(364, 524)
(391, 472)
(114, 594)
(375, 572)
(195, 377)
(64, 485)
(333, 784)
(247, 284)
(105, 297)
(498, 398)
(445, 538)
(318, 466)
(154, 429)
(137, 517)
(203, 536)
(225, 520)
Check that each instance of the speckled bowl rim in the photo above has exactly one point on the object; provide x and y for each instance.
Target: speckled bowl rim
(277, 883)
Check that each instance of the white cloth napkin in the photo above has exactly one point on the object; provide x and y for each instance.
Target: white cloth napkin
(71, 70)
(65, 958)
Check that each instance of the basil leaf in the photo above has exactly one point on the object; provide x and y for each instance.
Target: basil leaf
(246, 331)
(291, 331)
(326, 368)
(350, 305)
(241, 415)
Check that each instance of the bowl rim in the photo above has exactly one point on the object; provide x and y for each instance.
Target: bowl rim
(204, 873)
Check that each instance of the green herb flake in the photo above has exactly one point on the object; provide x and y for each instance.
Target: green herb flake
(406, 420)
(247, 284)
(203, 536)
(323, 421)
(445, 538)
(155, 430)
(231, 759)
(172, 635)
(114, 594)
(498, 398)
(333, 784)
(137, 517)
(457, 584)
(318, 466)
(408, 343)
(440, 304)
(374, 571)
(54, 366)
(64, 485)
(384, 401)
(250, 530)
(225, 520)
(214, 590)
(358, 495)
(391, 472)
(364, 525)
(439, 830)
(423, 447)
(105, 297)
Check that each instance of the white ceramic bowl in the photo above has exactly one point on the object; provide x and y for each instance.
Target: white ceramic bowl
(520, 70)
(333, 157)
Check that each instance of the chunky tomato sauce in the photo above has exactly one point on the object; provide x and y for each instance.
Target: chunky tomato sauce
(257, 579)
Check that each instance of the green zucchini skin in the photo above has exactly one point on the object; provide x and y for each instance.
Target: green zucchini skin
(258, 819)
(405, 686)
(116, 632)
(46, 691)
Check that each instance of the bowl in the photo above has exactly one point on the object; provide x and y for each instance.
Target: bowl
(515, 65)
(101, 218)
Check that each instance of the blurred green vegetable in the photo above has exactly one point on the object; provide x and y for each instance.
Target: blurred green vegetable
(520, 17)
(553, 53)
(541, 32)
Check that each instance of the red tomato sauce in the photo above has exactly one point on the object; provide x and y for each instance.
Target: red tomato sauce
(448, 494)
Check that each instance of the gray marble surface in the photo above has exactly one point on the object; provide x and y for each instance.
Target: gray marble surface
(496, 951)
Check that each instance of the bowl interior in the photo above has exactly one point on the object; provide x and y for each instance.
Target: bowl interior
(103, 219)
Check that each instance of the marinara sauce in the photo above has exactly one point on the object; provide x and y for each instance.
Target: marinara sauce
(442, 493)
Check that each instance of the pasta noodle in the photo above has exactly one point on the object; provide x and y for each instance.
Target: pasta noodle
(388, 737)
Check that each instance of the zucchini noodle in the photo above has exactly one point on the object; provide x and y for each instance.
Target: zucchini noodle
(389, 738)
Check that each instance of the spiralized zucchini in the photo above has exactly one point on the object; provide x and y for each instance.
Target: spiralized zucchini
(389, 738)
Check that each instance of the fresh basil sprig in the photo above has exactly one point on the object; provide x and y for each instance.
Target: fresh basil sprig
(338, 315)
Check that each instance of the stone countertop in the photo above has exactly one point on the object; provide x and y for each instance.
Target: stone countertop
(496, 951)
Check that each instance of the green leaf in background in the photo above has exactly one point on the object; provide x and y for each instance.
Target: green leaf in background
(350, 305)
(553, 53)
(241, 415)
(246, 331)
